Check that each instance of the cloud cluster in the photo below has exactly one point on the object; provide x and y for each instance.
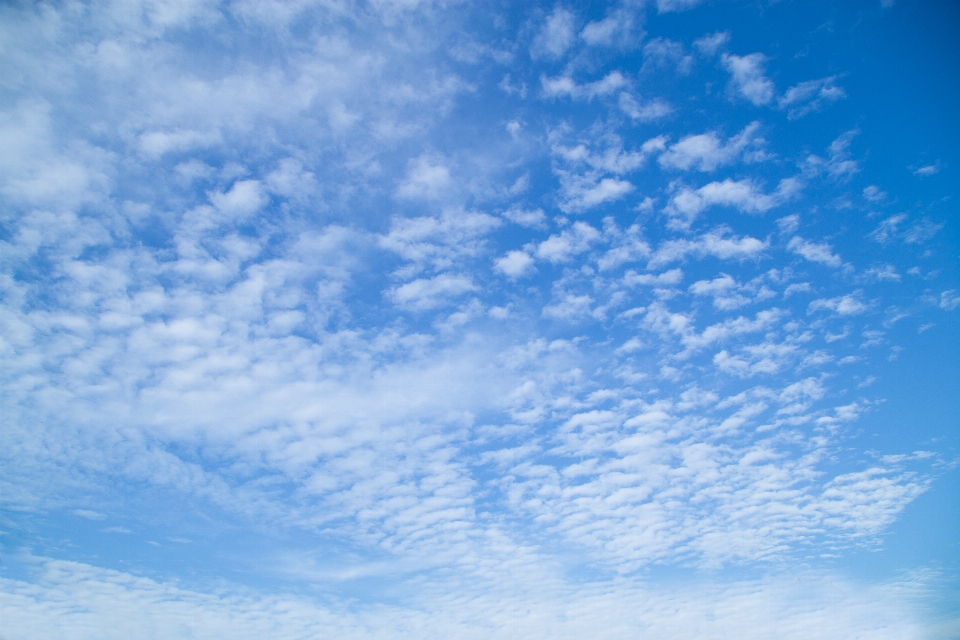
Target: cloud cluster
(75, 600)
(357, 285)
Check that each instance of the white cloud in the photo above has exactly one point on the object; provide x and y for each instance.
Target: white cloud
(569, 307)
(585, 169)
(157, 143)
(805, 97)
(843, 305)
(75, 600)
(665, 279)
(426, 179)
(822, 253)
(532, 218)
(733, 327)
(262, 287)
(726, 292)
(888, 228)
(600, 32)
(582, 194)
(668, 6)
(556, 35)
(949, 300)
(799, 287)
(838, 164)
(748, 79)
(663, 53)
(716, 243)
(570, 242)
(766, 358)
(422, 294)
(617, 28)
(873, 193)
(566, 86)
(886, 272)
(645, 111)
(245, 198)
(788, 224)
(514, 264)
(290, 179)
(922, 231)
(439, 242)
(628, 246)
(709, 45)
(89, 514)
(686, 203)
(706, 152)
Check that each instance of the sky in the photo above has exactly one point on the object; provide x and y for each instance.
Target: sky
(423, 318)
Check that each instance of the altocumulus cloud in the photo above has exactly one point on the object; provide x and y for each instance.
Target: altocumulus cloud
(393, 319)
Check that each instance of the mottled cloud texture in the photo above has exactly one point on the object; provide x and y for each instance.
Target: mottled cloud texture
(408, 319)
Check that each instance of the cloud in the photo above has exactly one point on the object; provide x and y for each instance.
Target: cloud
(514, 264)
(532, 218)
(117, 604)
(928, 170)
(647, 111)
(669, 6)
(667, 278)
(565, 86)
(663, 53)
(277, 286)
(709, 45)
(727, 293)
(747, 77)
(628, 246)
(891, 229)
(717, 243)
(922, 231)
(570, 242)
(590, 170)
(245, 198)
(788, 224)
(723, 331)
(619, 27)
(873, 193)
(422, 294)
(706, 152)
(763, 359)
(686, 203)
(822, 253)
(888, 228)
(290, 180)
(426, 179)
(88, 514)
(556, 35)
(809, 96)
(842, 305)
(581, 194)
(619, 462)
(439, 242)
(569, 307)
(949, 300)
(154, 144)
(838, 164)
(886, 272)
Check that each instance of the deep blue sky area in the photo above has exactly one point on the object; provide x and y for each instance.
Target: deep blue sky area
(414, 318)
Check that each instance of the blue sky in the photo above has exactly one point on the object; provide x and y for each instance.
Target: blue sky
(436, 319)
